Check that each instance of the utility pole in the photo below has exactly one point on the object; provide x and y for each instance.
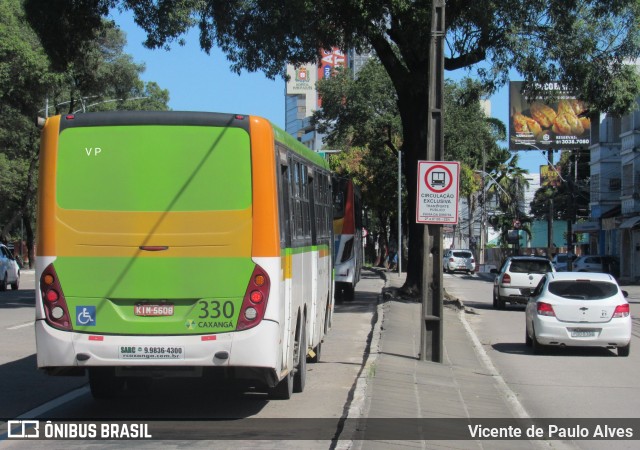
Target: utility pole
(399, 252)
(483, 213)
(432, 327)
(550, 251)
(572, 209)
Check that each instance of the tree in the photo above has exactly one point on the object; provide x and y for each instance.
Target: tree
(582, 43)
(363, 112)
(509, 187)
(571, 197)
(99, 72)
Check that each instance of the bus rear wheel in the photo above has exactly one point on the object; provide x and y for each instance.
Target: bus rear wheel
(284, 389)
(300, 376)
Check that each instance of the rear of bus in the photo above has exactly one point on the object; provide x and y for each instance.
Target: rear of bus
(347, 229)
(158, 251)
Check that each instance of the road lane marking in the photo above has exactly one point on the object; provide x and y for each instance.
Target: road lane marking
(56, 402)
(15, 327)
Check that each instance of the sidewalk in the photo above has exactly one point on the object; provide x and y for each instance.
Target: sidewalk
(401, 386)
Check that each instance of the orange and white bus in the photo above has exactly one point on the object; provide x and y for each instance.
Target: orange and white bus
(181, 244)
(348, 235)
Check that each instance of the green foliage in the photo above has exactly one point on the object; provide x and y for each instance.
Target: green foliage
(93, 73)
(581, 43)
(508, 187)
(571, 198)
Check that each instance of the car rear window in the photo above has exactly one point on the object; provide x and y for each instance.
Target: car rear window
(530, 267)
(462, 254)
(583, 290)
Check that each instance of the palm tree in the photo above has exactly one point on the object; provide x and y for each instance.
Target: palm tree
(509, 187)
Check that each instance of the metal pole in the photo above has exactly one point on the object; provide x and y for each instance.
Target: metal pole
(399, 213)
(432, 296)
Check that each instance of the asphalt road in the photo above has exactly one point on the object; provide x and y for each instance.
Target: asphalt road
(563, 382)
(188, 408)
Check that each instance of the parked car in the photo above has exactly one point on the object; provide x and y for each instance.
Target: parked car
(458, 260)
(517, 278)
(560, 261)
(9, 269)
(578, 309)
(596, 263)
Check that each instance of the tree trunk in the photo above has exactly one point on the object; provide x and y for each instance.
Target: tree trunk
(413, 106)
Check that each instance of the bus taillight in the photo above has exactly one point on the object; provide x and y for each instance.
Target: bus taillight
(55, 305)
(255, 300)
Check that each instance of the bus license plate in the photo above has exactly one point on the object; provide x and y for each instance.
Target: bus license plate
(150, 309)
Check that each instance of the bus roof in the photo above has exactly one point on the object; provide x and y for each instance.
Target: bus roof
(184, 118)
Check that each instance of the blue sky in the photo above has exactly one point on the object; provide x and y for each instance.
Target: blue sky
(200, 82)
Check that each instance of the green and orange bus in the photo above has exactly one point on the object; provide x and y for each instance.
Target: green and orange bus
(181, 244)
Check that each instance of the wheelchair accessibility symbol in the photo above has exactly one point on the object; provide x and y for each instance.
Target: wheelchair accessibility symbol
(86, 316)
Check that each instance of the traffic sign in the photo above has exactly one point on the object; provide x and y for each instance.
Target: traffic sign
(437, 201)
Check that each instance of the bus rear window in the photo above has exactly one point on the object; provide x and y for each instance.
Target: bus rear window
(154, 168)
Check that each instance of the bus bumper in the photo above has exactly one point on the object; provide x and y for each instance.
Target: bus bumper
(255, 347)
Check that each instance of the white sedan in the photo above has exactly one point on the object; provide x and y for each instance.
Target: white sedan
(578, 309)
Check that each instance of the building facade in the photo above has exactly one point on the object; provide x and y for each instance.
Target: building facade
(615, 191)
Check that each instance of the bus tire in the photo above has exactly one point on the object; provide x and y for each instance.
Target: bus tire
(300, 372)
(104, 384)
(284, 389)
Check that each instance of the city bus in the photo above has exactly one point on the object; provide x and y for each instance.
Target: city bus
(183, 244)
(348, 234)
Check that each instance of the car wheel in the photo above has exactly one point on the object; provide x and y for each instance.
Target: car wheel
(527, 339)
(495, 301)
(538, 348)
(15, 285)
(501, 303)
(3, 283)
(624, 351)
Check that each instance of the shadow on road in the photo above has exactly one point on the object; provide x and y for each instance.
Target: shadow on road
(22, 298)
(515, 348)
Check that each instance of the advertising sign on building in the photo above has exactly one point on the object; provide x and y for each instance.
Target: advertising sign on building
(550, 176)
(329, 60)
(438, 185)
(535, 123)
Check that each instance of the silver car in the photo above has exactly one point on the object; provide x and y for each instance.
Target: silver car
(517, 278)
(458, 260)
(9, 269)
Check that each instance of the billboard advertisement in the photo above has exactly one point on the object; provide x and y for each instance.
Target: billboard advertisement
(329, 60)
(536, 124)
